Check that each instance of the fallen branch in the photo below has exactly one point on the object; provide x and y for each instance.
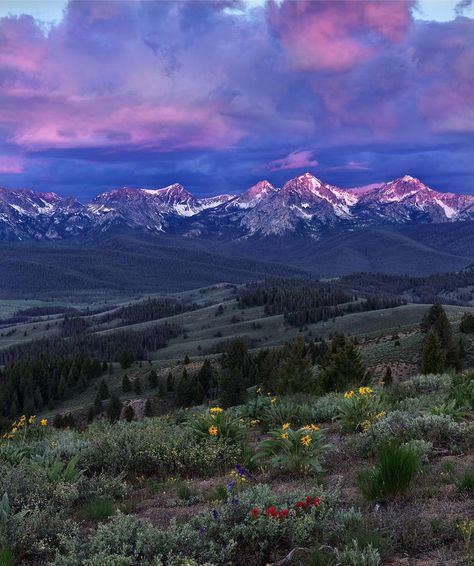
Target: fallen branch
(289, 557)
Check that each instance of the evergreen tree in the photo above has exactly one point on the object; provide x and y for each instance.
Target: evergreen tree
(148, 411)
(105, 366)
(98, 405)
(183, 390)
(126, 385)
(103, 391)
(153, 379)
(433, 357)
(129, 413)
(137, 386)
(186, 360)
(62, 388)
(114, 409)
(90, 414)
(162, 389)
(206, 377)
(126, 359)
(342, 366)
(231, 388)
(294, 373)
(388, 378)
(170, 383)
(437, 320)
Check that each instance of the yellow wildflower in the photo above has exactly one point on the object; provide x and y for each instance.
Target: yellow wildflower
(31, 419)
(254, 422)
(311, 427)
(285, 426)
(365, 425)
(348, 394)
(305, 440)
(273, 400)
(14, 429)
(258, 390)
(284, 435)
(365, 391)
(43, 422)
(213, 430)
(215, 410)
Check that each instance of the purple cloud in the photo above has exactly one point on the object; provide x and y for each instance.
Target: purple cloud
(215, 94)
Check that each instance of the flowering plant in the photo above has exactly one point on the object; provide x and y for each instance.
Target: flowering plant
(359, 409)
(293, 449)
(273, 512)
(217, 424)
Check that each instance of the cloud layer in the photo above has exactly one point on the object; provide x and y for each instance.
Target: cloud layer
(217, 94)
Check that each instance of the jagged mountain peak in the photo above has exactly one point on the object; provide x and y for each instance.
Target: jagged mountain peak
(305, 206)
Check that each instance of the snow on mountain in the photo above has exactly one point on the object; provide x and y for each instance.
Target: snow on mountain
(305, 205)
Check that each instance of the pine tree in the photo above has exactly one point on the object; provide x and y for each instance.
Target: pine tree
(90, 414)
(433, 357)
(126, 385)
(186, 360)
(342, 366)
(231, 388)
(388, 378)
(148, 411)
(114, 409)
(162, 389)
(153, 379)
(137, 386)
(170, 383)
(294, 373)
(126, 359)
(129, 413)
(183, 390)
(103, 391)
(205, 377)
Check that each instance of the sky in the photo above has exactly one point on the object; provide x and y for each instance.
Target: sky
(218, 95)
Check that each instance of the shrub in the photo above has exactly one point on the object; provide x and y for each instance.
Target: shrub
(293, 450)
(441, 430)
(96, 509)
(154, 446)
(396, 467)
(465, 481)
(231, 534)
(353, 555)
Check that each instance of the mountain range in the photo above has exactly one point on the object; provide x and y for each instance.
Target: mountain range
(303, 206)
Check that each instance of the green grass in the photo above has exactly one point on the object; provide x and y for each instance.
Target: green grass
(396, 467)
(7, 556)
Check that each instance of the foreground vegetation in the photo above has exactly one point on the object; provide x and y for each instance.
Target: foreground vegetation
(363, 476)
(302, 454)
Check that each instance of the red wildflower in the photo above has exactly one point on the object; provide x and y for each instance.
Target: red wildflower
(283, 514)
(255, 512)
(300, 504)
(309, 499)
(272, 511)
(316, 501)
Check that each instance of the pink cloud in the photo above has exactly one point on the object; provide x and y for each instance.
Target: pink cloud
(351, 166)
(334, 36)
(295, 160)
(11, 165)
